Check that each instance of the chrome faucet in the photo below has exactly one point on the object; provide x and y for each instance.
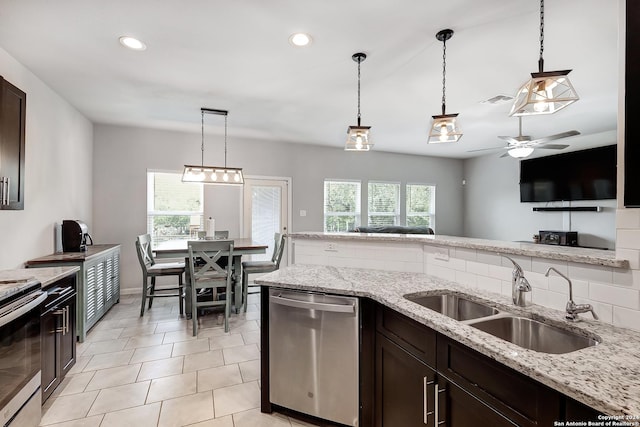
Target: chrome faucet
(573, 309)
(519, 284)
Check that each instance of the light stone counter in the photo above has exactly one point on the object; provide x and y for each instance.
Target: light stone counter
(14, 281)
(605, 377)
(562, 253)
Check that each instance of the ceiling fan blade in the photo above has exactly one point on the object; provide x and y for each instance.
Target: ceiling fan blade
(554, 137)
(553, 146)
(486, 149)
(509, 139)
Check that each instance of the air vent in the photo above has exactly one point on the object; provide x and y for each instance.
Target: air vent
(498, 99)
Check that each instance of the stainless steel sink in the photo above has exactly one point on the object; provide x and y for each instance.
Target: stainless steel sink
(452, 305)
(534, 335)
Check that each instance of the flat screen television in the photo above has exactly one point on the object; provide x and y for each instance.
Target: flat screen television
(579, 175)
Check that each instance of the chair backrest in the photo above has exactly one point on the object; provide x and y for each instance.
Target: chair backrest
(145, 254)
(204, 256)
(278, 249)
(222, 234)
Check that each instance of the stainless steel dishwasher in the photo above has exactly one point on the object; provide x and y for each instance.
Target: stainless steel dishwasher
(313, 354)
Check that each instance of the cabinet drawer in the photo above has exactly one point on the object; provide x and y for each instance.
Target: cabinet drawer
(417, 339)
(517, 396)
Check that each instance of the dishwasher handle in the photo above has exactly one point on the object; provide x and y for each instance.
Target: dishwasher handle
(310, 305)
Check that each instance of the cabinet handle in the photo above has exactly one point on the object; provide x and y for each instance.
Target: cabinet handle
(65, 321)
(436, 400)
(425, 400)
(60, 313)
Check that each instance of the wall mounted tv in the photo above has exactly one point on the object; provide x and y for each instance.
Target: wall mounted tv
(579, 175)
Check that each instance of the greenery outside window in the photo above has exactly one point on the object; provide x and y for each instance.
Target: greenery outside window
(174, 208)
(341, 205)
(384, 203)
(421, 205)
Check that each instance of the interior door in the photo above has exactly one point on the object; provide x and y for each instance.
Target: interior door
(266, 212)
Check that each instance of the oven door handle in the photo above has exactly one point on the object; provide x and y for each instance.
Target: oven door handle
(4, 320)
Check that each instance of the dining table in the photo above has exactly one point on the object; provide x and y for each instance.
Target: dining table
(241, 246)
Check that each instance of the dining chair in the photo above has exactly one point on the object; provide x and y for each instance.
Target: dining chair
(151, 269)
(254, 267)
(206, 273)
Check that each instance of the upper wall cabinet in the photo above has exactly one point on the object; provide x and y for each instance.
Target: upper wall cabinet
(13, 103)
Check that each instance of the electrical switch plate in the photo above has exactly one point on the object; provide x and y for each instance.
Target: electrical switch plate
(331, 247)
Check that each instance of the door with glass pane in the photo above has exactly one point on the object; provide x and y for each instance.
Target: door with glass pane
(266, 208)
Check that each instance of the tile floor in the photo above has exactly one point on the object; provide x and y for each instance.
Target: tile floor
(151, 371)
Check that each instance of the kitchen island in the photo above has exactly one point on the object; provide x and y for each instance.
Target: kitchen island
(605, 377)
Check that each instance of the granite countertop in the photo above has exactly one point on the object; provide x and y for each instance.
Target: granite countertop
(62, 257)
(14, 281)
(605, 377)
(562, 253)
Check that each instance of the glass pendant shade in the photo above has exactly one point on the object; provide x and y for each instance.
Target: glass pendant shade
(213, 175)
(520, 152)
(545, 93)
(445, 128)
(220, 175)
(358, 139)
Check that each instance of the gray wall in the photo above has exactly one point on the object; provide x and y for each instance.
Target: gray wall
(124, 154)
(493, 209)
(58, 163)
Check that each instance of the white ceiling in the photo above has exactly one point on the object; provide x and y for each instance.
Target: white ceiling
(235, 55)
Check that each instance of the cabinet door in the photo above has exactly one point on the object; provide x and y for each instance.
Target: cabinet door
(49, 324)
(68, 338)
(457, 408)
(404, 387)
(12, 137)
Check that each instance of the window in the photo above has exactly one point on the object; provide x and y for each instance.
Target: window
(341, 205)
(421, 205)
(174, 208)
(384, 203)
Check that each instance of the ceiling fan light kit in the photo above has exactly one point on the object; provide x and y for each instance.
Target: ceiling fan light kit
(221, 175)
(546, 92)
(358, 137)
(445, 127)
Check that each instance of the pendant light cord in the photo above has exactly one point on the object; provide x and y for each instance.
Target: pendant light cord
(444, 74)
(225, 141)
(359, 61)
(541, 59)
(202, 143)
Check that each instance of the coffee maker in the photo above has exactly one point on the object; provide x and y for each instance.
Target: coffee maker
(75, 236)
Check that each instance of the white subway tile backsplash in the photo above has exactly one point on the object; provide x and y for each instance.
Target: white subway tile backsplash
(502, 273)
(626, 318)
(631, 255)
(523, 261)
(540, 265)
(477, 268)
(442, 272)
(490, 284)
(628, 218)
(466, 279)
(628, 239)
(490, 258)
(591, 273)
(626, 278)
(549, 299)
(452, 263)
(537, 280)
(614, 295)
(466, 254)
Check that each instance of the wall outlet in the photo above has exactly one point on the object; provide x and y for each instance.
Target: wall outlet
(331, 247)
(303, 212)
(442, 254)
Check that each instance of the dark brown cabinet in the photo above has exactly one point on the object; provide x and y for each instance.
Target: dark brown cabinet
(58, 334)
(12, 142)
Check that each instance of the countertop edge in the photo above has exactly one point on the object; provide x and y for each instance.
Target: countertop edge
(600, 257)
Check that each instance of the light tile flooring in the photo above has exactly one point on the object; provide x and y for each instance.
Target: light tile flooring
(151, 371)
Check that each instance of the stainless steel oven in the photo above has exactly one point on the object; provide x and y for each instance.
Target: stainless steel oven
(20, 398)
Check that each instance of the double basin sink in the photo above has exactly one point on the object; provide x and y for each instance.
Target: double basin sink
(522, 331)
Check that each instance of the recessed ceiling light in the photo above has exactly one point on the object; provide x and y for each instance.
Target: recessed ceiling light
(132, 43)
(300, 39)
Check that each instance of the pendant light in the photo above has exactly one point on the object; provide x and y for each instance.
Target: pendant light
(358, 137)
(222, 175)
(445, 127)
(546, 92)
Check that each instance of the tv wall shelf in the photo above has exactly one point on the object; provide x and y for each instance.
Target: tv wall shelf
(569, 209)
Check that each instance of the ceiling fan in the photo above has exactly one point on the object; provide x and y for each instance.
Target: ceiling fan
(522, 145)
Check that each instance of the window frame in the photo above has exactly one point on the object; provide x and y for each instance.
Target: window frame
(432, 214)
(357, 215)
(397, 218)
